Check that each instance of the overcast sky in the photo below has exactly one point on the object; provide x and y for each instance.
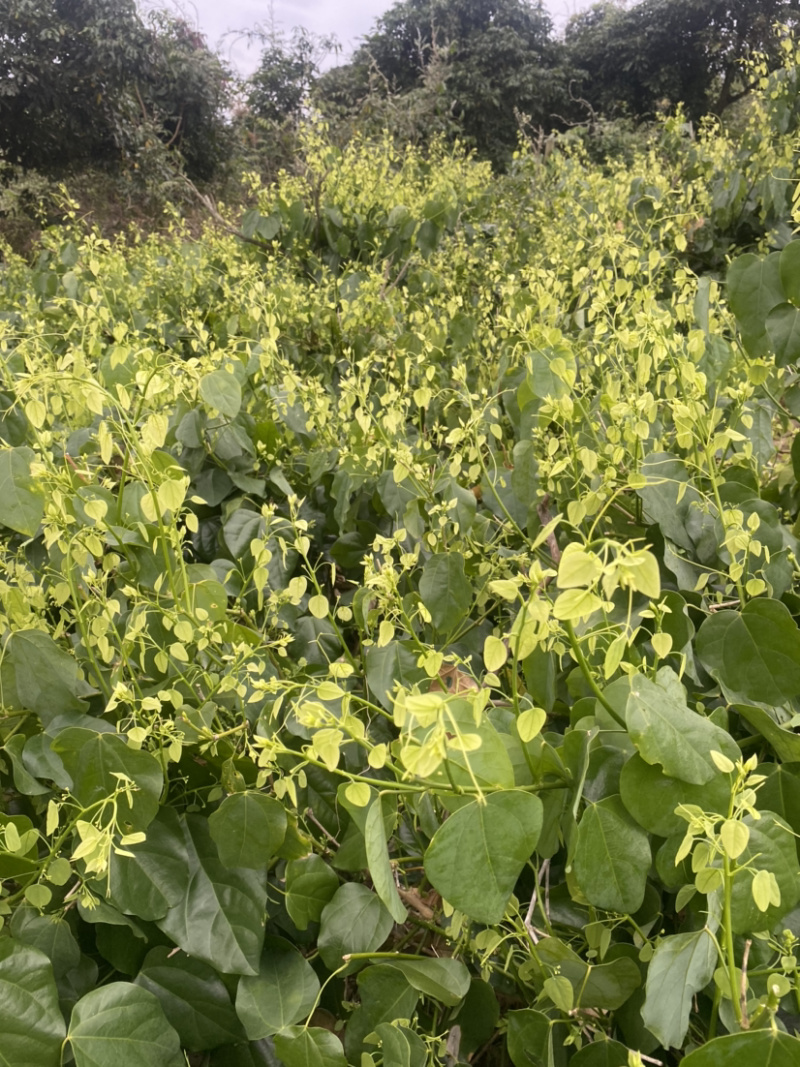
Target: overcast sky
(348, 19)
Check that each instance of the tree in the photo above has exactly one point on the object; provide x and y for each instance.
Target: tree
(634, 60)
(501, 58)
(86, 81)
(286, 73)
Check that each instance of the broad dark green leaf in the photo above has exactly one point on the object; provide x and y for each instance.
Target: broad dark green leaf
(31, 1024)
(781, 792)
(401, 1046)
(220, 919)
(93, 761)
(490, 765)
(445, 590)
(394, 664)
(477, 1016)
(681, 966)
(193, 998)
(477, 855)
(50, 934)
(668, 496)
(601, 1054)
(602, 985)
(355, 920)
(282, 993)
(385, 995)
(122, 1025)
(221, 391)
(783, 329)
(156, 876)
(754, 288)
(612, 857)
(652, 796)
(21, 499)
(772, 848)
(248, 829)
(535, 1041)
(241, 528)
(310, 884)
(767, 1048)
(665, 731)
(48, 680)
(313, 1047)
(380, 868)
(754, 653)
(785, 743)
(446, 980)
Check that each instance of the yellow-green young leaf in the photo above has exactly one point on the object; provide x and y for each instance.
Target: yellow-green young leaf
(495, 653)
(721, 762)
(762, 890)
(171, 494)
(36, 412)
(734, 836)
(52, 818)
(529, 723)
(96, 509)
(576, 604)
(662, 644)
(385, 633)
(154, 431)
(614, 654)
(642, 574)
(326, 745)
(105, 442)
(13, 840)
(60, 871)
(318, 606)
(578, 567)
(377, 757)
(708, 879)
(504, 588)
(560, 991)
(358, 793)
(38, 895)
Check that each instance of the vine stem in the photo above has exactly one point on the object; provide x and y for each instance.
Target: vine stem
(587, 674)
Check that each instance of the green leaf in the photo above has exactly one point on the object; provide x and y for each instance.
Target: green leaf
(50, 934)
(221, 917)
(790, 271)
(355, 920)
(310, 885)
(314, 1047)
(783, 328)
(668, 496)
(601, 1053)
(477, 855)
(385, 996)
(535, 1041)
(771, 847)
(612, 857)
(122, 1025)
(388, 667)
(221, 391)
(48, 680)
(93, 760)
(681, 966)
(785, 743)
(446, 980)
(248, 829)
(401, 1047)
(380, 868)
(155, 877)
(21, 499)
(767, 1048)
(754, 288)
(754, 653)
(193, 998)
(445, 590)
(282, 993)
(665, 731)
(31, 1023)
(652, 796)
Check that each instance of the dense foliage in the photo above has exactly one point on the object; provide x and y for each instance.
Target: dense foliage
(400, 651)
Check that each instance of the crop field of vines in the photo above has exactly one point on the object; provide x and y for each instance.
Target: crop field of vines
(399, 647)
